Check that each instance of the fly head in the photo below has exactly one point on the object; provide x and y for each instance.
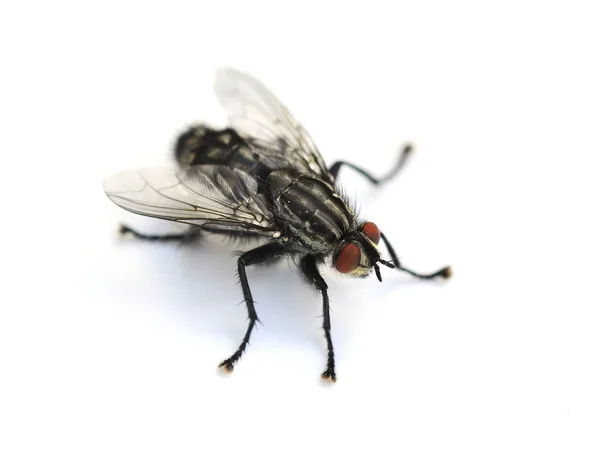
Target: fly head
(358, 254)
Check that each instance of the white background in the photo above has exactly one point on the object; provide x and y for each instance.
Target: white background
(109, 344)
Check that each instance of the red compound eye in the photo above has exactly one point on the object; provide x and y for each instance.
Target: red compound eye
(348, 259)
(372, 231)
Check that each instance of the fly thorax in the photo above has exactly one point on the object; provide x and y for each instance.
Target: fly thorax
(312, 215)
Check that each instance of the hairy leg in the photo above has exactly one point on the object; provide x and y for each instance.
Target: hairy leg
(445, 272)
(261, 255)
(311, 273)
(404, 154)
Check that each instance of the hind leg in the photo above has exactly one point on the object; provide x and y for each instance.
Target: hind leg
(184, 237)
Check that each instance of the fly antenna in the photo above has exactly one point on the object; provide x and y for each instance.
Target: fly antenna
(377, 272)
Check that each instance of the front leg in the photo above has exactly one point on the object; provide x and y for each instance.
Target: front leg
(264, 254)
(310, 271)
(445, 272)
(406, 151)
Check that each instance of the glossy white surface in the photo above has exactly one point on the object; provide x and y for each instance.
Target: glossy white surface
(109, 344)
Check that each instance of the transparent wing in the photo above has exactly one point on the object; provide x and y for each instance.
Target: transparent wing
(206, 195)
(267, 125)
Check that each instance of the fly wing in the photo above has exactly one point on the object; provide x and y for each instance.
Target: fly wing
(267, 125)
(204, 195)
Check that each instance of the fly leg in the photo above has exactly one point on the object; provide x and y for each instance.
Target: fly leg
(445, 272)
(406, 151)
(311, 273)
(182, 238)
(264, 254)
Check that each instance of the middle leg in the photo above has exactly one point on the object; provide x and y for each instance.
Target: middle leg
(406, 151)
(262, 255)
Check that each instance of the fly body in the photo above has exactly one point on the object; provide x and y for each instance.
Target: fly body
(262, 177)
(313, 218)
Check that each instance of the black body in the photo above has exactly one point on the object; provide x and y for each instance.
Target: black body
(312, 216)
(262, 178)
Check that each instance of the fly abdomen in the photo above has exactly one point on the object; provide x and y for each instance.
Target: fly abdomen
(201, 145)
(314, 218)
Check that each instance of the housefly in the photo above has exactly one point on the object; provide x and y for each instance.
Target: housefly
(262, 177)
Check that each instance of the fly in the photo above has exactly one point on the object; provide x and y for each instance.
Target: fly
(262, 177)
